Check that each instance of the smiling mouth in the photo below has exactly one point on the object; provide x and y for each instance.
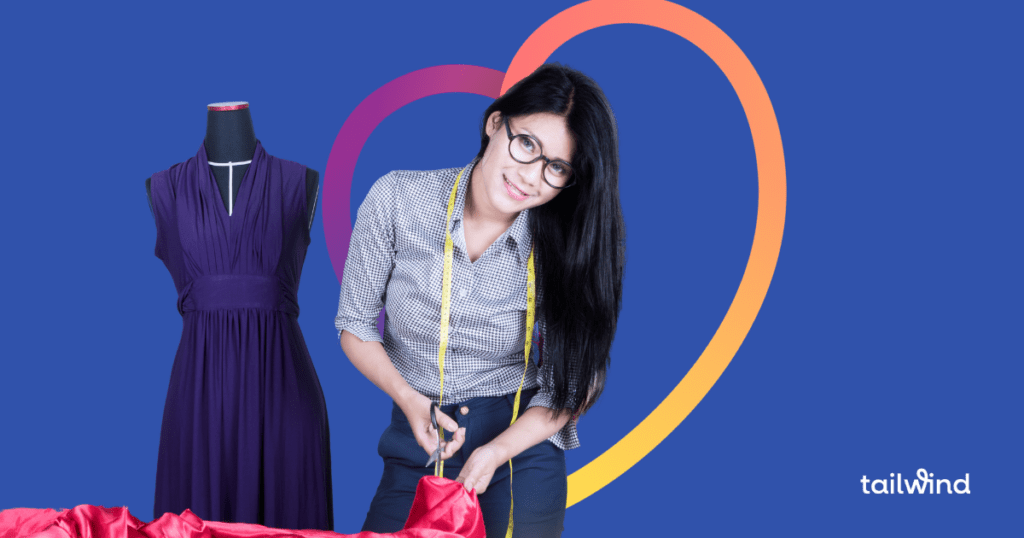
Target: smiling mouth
(514, 191)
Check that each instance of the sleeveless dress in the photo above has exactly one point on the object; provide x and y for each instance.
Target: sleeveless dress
(244, 435)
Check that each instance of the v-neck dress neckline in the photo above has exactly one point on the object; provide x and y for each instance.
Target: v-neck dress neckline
(244, 188)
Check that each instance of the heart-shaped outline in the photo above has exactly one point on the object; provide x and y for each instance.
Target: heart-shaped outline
(771, 176)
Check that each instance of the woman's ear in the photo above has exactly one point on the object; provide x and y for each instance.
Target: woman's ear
(494, 122)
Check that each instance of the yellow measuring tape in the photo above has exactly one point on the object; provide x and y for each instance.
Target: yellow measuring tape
(446, 305)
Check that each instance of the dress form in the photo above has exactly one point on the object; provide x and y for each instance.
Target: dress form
(230, 138)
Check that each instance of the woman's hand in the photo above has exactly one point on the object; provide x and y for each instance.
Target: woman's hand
(479, 468)
(370, 359)
(534, 426)
(417, 411)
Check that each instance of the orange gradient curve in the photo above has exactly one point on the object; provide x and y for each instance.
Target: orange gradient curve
(771, 210)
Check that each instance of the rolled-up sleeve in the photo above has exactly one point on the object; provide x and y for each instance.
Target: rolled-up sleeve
(566, 438)
(371, 255)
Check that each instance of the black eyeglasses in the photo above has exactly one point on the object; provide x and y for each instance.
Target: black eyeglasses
(527, 149)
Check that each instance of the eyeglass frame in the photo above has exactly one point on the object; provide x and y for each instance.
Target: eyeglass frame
(547, 161)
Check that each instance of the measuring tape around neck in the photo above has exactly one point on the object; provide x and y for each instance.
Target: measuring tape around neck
(446, 304)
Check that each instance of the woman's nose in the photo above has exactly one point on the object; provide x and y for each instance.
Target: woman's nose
(532, 174)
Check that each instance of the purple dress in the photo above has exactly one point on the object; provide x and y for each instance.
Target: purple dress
(244, 435)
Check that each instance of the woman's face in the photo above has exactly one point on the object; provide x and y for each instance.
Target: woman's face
(508, 186)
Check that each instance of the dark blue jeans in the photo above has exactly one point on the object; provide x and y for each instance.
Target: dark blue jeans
(539, 482)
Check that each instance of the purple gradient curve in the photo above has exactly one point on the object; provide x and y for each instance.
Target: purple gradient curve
(356, 130)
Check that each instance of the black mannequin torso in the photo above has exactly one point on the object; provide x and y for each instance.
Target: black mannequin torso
(230, 139)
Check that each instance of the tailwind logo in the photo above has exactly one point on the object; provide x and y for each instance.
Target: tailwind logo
(925, 483)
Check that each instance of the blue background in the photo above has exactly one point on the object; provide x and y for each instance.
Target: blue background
(885, 343)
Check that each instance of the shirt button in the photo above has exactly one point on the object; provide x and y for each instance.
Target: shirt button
(464, 410)
(462, 294)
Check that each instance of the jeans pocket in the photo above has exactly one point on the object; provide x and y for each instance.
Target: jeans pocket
(397, 443)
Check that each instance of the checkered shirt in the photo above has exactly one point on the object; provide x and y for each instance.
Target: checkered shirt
(395, 260)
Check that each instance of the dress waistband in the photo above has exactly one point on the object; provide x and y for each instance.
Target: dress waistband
(235, 292)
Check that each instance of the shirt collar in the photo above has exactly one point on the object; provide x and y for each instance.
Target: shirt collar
(518, 232)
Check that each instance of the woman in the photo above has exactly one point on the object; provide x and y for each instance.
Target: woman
(543, 193)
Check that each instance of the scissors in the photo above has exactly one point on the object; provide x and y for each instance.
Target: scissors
(435, 457)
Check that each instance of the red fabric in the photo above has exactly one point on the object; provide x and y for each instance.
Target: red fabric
(442, 509)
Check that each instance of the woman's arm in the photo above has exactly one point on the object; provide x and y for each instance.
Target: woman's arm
(533, 426)
(371, 258)
(372, 361)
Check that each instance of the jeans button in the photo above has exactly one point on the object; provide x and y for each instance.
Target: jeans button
(464, 410)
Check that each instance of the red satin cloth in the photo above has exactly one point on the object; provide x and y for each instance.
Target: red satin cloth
(442, 509)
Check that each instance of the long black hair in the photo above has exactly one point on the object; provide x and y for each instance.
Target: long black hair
(579, 236)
